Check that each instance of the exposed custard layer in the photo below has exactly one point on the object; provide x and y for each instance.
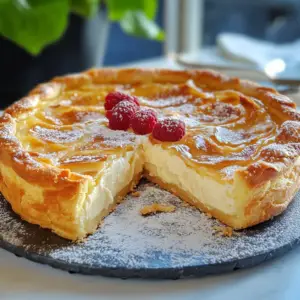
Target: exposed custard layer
(61, 167)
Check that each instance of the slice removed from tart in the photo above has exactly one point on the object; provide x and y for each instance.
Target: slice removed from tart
(64, 169)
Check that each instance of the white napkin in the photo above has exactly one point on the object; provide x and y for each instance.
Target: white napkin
(245, 49)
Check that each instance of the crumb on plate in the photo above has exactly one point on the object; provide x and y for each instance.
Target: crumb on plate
(136, 194)
(156, 208)
(209, 215)
(224, 230)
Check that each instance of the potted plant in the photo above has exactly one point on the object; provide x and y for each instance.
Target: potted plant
(40, 39)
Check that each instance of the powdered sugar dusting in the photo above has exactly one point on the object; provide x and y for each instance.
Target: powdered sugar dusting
(180, 239)
(225, 110)
(164, 102)
(289, 132)
(97, 133)
(13, 230)
(83, 159)
(56, 136)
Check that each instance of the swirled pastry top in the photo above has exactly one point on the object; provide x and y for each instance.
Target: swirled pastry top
(233, 126)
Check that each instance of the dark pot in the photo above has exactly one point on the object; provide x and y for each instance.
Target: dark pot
(81, 47)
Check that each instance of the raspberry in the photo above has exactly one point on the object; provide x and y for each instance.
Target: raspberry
(144, 121)
(108, 114)
(169, 130)
(113, 98)
(121, 115)
(134, 99)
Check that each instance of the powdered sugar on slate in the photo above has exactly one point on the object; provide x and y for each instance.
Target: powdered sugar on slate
(127, 240)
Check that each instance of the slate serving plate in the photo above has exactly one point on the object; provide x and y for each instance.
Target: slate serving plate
(185, 243)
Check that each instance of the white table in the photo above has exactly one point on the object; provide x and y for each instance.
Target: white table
(277, 279)
(274, 280)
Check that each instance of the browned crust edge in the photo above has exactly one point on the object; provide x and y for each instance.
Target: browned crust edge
(257, 211)
(60, 222)
(273, 162)
(285, 156)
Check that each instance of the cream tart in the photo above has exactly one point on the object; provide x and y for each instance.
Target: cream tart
(63, 168)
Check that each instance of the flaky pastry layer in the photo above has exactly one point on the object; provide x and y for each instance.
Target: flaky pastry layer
(51, 194)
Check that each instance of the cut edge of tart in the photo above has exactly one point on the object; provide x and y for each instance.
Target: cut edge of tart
(71, 194)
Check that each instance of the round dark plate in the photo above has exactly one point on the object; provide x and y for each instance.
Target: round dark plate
(168, 245)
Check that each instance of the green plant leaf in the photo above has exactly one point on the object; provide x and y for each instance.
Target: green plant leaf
(138, 24)
(118, 8)
(33, 24)
(85, 8)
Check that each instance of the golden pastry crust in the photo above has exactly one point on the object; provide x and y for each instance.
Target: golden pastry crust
(46, 194)
(279, 104)
(266, 203)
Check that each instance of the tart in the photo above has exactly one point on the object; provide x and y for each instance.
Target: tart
(63, 168)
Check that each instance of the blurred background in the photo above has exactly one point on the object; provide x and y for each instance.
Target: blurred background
(272, 20)
(189, 25)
